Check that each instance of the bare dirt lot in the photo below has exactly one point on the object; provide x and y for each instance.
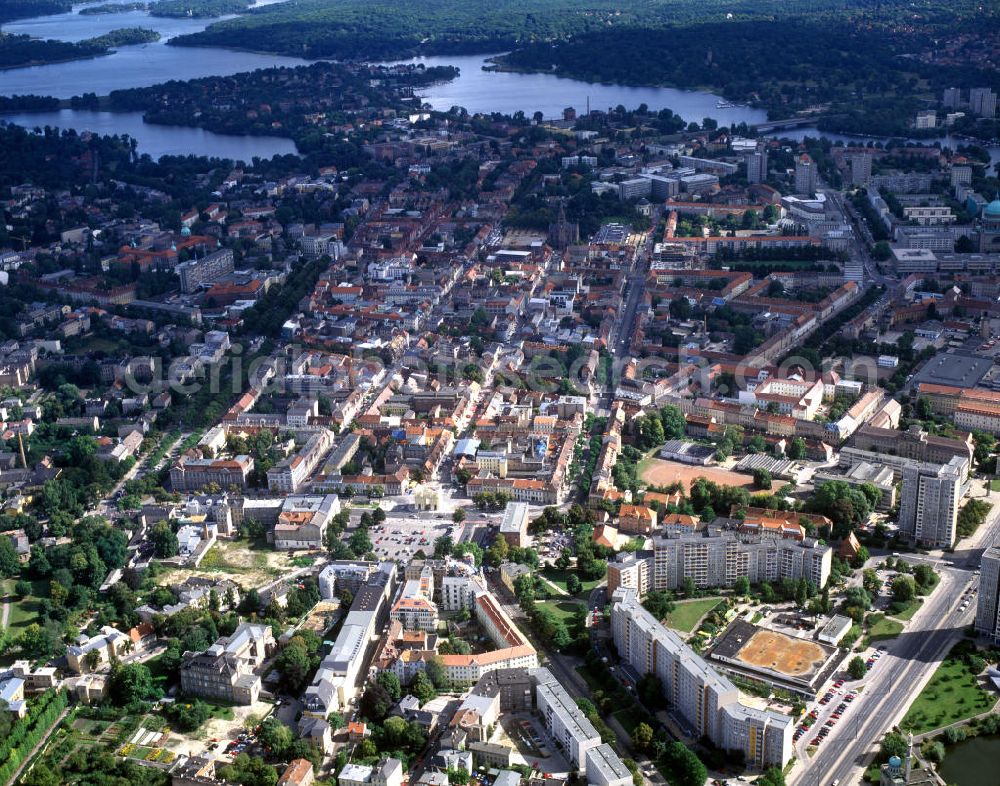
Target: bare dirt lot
(234, 559)
(771, 650)
(658, 472)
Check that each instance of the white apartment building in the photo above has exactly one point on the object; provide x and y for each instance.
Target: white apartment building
(387, 772)
(344, 575)
(806, 175)
(415, 608)
(288, 476)
(458, 592)
(605, 768)
(707, 700)
(928, 508)
(930, 216)
(565, 721)
(717, 557)
(336, 680)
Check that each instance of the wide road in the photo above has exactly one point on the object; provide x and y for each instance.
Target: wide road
(907, 665)
(634, 288)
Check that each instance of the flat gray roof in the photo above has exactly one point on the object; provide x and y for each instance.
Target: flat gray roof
(949, 368)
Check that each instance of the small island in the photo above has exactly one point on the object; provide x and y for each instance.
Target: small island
(20, 51)
(125, 36)
(198, 9)
(112, 8)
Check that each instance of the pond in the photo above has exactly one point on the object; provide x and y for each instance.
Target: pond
(972, 762)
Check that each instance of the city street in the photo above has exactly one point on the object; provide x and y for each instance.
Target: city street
(905, 668)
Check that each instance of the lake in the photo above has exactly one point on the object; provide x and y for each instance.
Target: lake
(148, 64)
(129, 66)
(970, 762)
(507, 92)
(159, 140)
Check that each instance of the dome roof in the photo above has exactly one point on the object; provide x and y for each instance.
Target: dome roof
(993, 208)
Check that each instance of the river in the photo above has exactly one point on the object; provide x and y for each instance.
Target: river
(972, 762)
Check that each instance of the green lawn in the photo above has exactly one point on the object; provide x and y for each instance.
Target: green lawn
(953, 694)
(912, 609)
(687, 613)
(881, 628)
(644, 464)
(23, 611)
(559, 577)
(564, 609)
(630, 717)
(160, 676)
(215, 559)
(995, 484)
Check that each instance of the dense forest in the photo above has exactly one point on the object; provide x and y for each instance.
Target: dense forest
(858, 57)
(112, 8)
(862, 73)
(819, 62)
(357, 28)
(22, 9)
(208, 102)
(18, 51)
(125, 36)
(198, 8)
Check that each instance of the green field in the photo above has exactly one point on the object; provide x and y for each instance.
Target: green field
(953, 694)
(558, 577)
(564, 609)
(912, 609)
(630, 717)
(646, 462)
(688, 613)
(23, 611)
(995, 484)
(882, 628)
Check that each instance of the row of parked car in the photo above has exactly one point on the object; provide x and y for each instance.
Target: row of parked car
(838, 711)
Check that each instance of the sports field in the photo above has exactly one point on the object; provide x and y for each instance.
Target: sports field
(786, 655)
(657, 472)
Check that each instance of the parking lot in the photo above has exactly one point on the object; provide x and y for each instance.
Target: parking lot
(402, 535)
(833, 707)
(525, 734)
(550, 545)
(222, 738)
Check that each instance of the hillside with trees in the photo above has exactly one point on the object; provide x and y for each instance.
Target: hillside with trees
(857, 59)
